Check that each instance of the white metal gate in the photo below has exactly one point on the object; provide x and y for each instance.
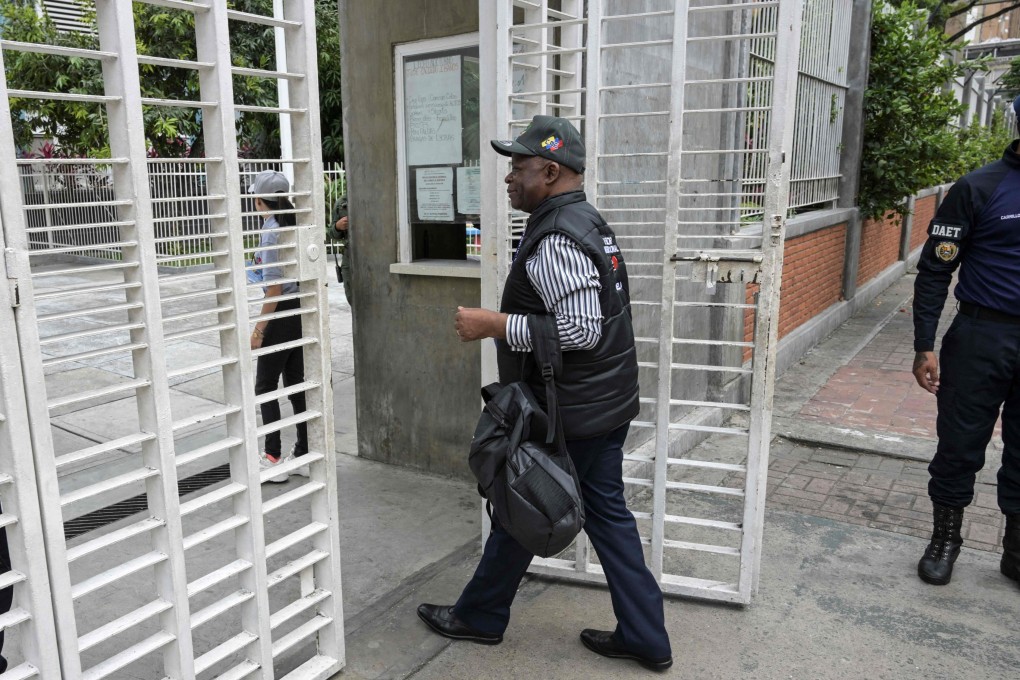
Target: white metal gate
(233, 579)
(686, 107)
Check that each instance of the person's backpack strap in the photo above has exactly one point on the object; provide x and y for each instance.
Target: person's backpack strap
(545, 348)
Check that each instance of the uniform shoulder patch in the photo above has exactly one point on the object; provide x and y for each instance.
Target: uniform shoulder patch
(946, 251)
(947, 230)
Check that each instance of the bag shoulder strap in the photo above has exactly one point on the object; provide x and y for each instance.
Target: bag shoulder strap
(545, 347)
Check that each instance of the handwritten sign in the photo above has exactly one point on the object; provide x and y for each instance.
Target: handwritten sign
(469, 191)
(434, 191)
(432, 111)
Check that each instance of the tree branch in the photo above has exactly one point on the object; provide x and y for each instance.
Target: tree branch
(962, 32)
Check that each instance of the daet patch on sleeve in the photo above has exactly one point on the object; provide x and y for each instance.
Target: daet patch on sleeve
(947, 230)
(947, 251)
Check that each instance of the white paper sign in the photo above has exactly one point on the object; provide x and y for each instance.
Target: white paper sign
(432, 111)
(434, 190)
(469, 191)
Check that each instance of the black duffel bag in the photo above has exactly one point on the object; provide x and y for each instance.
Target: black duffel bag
(519, 456)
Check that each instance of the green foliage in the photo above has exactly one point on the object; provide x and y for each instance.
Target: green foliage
(1009, 83)
(80, 129)
(908, 141)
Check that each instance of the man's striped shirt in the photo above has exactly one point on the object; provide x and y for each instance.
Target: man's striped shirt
(568, 283)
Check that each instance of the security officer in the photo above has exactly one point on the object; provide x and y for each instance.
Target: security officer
(338, 231)
(977, 228)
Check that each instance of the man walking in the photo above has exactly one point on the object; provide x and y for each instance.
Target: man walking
(977, 228)
(568, 265)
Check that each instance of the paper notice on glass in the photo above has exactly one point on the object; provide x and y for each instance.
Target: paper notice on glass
(469, 191)
(434, 190)
(432, 111)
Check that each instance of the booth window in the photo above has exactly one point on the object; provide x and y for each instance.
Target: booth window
(438, 149)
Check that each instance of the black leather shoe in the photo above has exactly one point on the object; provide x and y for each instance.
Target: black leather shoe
(441, 620)
(602, 642)
(936, 566)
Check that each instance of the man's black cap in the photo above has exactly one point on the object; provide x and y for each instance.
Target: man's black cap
(549, 137)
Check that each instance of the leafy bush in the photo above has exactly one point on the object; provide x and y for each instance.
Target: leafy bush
(909, 143)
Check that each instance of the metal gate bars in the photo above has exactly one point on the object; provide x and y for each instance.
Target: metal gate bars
(687, 110)
(138, 384)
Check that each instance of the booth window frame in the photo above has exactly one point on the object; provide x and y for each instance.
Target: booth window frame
(405, 264)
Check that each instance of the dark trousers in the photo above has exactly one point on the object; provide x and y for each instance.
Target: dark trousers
(289, 363)
(637, 599)
(980, 373)
(7, 594)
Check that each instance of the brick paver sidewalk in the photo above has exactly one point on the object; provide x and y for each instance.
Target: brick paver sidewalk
(874, 491)
(876, 389)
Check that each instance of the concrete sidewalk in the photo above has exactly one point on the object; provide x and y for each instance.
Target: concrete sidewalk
(847, 519)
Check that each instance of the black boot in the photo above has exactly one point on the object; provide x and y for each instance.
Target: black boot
(1010, 565)
(936, 567)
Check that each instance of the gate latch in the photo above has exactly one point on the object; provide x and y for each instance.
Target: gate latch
(712, 268)
(12, 266)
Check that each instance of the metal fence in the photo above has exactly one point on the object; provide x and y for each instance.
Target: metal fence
(67, 205)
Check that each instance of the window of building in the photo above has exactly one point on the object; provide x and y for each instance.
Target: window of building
(438, 150)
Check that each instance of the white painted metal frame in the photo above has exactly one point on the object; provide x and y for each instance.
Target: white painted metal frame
(30, 619)
(678, 204)
(280, 582)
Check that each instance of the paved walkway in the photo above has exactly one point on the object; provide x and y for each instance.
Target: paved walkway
(858, 432)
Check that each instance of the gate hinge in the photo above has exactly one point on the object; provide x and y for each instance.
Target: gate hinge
(12, 265)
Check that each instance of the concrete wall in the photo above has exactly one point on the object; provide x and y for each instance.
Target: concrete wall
(417, 387)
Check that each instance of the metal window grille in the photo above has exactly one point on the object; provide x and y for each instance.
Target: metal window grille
(686, 109)
(263, 563)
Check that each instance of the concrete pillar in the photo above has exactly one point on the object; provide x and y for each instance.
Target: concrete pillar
(853, 140)
(966, 99)
(979, 110)
(907, 226)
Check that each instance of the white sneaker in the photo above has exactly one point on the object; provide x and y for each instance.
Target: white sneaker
(266, 464)
(301, 471)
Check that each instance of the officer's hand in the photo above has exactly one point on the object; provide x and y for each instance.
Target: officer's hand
(926, 371)
(341, 224)
(473, 323)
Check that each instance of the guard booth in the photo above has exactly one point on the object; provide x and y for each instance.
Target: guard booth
(125, 376)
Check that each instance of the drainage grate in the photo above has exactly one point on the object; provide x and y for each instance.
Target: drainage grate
(111, 513)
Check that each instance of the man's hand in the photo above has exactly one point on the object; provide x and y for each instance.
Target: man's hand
(926, 371)
(341, 224)
(473, 323)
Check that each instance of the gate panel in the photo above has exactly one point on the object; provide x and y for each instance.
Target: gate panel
(134, 334)
(28, 626)
(687, 116)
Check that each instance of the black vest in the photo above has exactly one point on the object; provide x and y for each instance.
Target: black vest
(598, 388)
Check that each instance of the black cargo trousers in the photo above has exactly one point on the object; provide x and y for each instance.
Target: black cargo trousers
(980, 373)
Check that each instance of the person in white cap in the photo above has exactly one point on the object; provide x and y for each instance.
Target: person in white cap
(288, 363)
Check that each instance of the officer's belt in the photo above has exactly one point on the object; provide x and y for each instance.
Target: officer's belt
(978, 312)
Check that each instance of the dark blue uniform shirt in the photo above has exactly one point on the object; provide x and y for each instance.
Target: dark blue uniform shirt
(977, 228)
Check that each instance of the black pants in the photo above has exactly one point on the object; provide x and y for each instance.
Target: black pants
(637, 600)
(289, 363)
(980, 373)
(7, 594)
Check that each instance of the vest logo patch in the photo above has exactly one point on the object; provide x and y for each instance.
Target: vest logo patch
(616, 262)
(947, 251)
(946, 231)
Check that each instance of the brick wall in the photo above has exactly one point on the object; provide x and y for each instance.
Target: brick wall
(812, 279)
(880, 246)
(924, 211)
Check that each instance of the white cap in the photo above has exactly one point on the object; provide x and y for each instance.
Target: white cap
(269, 182)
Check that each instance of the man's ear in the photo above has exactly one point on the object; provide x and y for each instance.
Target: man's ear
(552, 172)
